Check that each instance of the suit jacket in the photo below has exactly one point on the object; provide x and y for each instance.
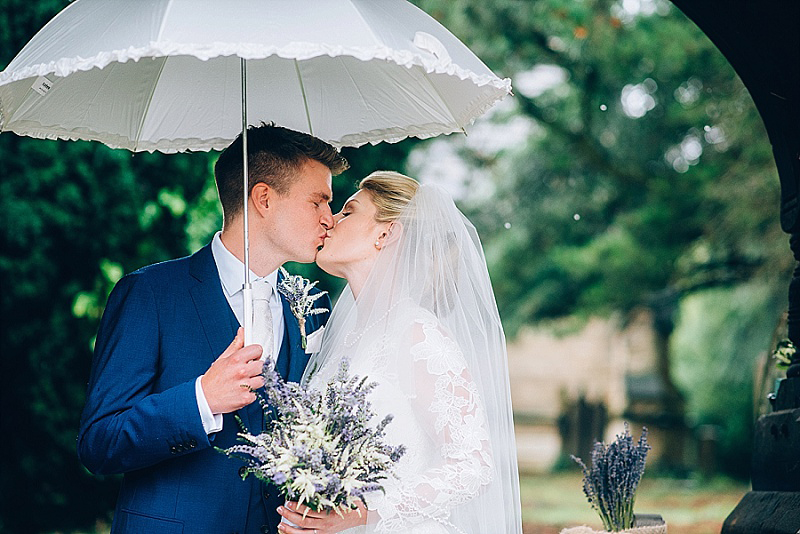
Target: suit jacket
(163, 326)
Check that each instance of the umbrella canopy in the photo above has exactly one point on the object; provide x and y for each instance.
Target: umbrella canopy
(165, 74)
(175, 75)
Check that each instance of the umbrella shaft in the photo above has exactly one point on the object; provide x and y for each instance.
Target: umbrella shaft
(245, 176)
(248, 305)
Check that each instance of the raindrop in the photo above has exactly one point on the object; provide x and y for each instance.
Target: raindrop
(507, 225)
(577, 217)
(603, 107)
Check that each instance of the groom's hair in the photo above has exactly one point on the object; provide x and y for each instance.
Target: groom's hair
(275, 154)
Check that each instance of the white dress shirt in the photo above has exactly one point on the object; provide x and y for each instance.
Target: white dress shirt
(231, 276)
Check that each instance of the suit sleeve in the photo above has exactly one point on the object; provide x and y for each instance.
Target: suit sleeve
(128, 424)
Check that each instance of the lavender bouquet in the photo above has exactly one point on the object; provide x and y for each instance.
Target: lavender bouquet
(318, 448)
(610, 484)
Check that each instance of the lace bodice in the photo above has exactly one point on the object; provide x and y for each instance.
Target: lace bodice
(438, 415)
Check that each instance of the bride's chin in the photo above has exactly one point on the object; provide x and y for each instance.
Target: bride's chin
(322, 263)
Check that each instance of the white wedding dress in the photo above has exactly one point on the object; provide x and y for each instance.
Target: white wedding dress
(435, 348)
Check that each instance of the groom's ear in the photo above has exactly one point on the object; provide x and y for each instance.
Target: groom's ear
(260, 197)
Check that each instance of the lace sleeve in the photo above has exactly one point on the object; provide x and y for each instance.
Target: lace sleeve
(448, 407)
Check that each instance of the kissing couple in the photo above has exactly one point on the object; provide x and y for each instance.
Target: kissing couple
(418, 317)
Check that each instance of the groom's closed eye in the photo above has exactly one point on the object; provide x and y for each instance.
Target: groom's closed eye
(320, 198)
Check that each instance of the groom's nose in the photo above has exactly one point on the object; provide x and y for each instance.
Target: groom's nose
(326, 220)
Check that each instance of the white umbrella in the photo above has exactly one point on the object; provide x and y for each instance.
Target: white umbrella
(176, 75)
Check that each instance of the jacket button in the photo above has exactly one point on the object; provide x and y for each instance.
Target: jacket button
(173, 449)
(242, 471)
(264, 529)
(192, 443)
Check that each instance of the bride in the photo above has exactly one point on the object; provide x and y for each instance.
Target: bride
(418, 317)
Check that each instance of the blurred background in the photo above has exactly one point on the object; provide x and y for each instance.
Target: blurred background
(627, 200)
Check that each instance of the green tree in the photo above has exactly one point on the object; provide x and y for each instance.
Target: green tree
(75, 217)
(647, 174)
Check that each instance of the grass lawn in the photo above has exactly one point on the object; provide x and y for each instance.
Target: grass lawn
(551, 502)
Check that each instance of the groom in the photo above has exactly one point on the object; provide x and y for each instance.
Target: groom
(166, 378)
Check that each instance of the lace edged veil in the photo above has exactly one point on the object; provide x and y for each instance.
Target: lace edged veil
(426, 324)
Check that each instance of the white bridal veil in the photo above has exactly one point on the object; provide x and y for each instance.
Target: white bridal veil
(426, 328)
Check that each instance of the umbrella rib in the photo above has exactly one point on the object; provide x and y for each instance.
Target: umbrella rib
(305, 100)
(164, 20)
(149, 101)
(446, 105)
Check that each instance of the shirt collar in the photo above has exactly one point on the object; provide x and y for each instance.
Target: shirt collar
(231, 270)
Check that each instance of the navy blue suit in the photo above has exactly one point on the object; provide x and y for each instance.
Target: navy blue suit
(163, 326)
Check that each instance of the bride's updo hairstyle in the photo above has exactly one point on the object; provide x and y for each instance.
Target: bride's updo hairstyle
(390, 192)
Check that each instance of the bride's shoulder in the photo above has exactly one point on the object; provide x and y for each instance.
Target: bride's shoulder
(422, 326)
(414, 317)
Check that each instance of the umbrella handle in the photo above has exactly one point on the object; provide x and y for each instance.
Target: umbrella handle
(247, 292)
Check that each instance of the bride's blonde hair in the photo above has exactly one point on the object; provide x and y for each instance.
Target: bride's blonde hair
(390, 192)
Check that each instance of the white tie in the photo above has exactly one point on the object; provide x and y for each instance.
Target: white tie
(262, 317)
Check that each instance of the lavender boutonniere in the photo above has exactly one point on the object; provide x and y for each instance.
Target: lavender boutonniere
(610, 484)
(297, 289)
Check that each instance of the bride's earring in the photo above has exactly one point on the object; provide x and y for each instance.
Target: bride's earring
(378, 245)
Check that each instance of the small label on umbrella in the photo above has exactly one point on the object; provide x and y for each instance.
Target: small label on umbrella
(42, 85)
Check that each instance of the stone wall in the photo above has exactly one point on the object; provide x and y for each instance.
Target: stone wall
(551, 367)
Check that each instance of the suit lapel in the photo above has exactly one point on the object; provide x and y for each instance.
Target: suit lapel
(216, 317)
(218, 322)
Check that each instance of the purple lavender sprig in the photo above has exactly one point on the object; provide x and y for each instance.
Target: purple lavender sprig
(610, 484)
(319, 448)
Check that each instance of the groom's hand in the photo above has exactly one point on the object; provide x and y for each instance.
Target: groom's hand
(229, 383)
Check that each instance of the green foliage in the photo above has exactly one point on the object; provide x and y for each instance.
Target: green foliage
(75, 217)
(723, 331)
(609, 205)
(647, 172)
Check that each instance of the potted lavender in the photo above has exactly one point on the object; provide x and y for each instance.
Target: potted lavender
(610, 484)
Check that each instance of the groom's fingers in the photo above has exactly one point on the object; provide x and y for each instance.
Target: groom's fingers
(256, 382)
(236, 344)
(228, 383)
(247, 354)
(254, 367)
